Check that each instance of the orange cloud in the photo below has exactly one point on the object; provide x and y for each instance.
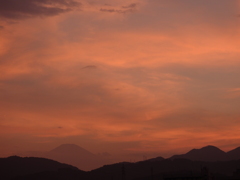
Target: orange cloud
(148, 77)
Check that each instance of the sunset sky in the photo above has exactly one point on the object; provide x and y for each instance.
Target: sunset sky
(119, 76)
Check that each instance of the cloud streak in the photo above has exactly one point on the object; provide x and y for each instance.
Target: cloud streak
(90, 67)
(124, 9)
(14, 9)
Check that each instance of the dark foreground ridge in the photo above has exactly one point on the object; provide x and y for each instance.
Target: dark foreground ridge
(17, 168)
(22, 168)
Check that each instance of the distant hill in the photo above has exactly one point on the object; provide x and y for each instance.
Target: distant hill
(76, 156)
(234, 154)
(87, 161)
(208, 154)
(17, 166)
(155, 159)
(73, 148)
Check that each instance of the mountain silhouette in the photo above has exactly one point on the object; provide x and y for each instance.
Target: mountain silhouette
(234, 154)
(217, 160)
(207, 153)
(17, 166)
(158, 169)
(155, 159)
(71, 148)
(76, 156)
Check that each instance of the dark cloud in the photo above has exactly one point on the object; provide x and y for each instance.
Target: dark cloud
(116, 10)
(107, 10)
(16, 9)
(124, 9)
(90, 67)
(133, 5)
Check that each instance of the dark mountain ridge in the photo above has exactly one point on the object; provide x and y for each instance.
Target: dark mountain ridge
(209, 154)
(19, 166)
(234, 154)
(218, 162)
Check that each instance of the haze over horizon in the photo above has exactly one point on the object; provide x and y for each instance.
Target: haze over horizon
(128, 77)
(71, 149)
